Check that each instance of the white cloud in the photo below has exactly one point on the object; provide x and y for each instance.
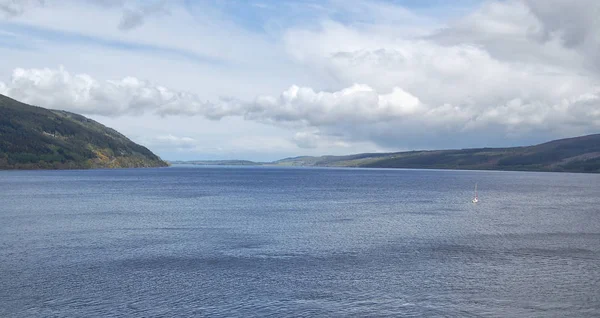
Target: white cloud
(13, 8)
(355, 113)
(367, 73)
(134, 16)
(357, 103)
(313, 139)
(488, 74)
(59, 89)
(193, 30)
(574, 23)
(181, 142)
(133, 13)
(306, 139)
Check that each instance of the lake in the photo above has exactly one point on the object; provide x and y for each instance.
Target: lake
(264, 241)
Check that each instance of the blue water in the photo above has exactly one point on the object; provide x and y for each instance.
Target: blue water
(242, 242)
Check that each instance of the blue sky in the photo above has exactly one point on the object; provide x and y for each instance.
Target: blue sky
(263, 17)
(262, 80)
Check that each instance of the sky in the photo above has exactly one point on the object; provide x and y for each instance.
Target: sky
(265, 79)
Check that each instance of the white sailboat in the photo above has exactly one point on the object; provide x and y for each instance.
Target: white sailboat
(475, 199)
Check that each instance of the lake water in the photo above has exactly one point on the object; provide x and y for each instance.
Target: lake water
(258, 241)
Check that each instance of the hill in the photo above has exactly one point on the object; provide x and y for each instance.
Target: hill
(579, 154)
(37, 138)
(217, 162)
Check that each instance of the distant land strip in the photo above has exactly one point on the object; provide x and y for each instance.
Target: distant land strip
(578, 154)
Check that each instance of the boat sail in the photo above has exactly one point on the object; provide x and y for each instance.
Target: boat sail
(475, 199)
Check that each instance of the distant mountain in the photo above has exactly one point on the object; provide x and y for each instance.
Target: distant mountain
(37, 138)
(218, 162)
(579, 154)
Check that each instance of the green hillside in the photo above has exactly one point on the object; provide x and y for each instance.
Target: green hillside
(37, 138)
(579, 154)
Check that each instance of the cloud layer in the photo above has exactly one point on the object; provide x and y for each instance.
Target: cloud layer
(59, 89)
(133, 16)
(12, 8)
(528, 70)
(358, 112)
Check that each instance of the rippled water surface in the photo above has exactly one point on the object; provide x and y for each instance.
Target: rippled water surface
(262, 242)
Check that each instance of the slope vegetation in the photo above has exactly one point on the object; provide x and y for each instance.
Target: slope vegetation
(579, 154)
(37, 138)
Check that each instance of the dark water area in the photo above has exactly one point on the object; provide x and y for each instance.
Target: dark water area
(260, 241)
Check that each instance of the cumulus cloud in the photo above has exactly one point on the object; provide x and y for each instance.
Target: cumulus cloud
(558, 32)
(59, 89)
(355, 113)
(357, 103)
(508, 68)
(573, 22)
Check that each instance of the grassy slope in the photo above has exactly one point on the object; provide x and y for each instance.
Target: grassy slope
(37, 138)
(580, 154)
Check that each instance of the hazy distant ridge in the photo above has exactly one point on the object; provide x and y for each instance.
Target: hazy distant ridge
(579, 154)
